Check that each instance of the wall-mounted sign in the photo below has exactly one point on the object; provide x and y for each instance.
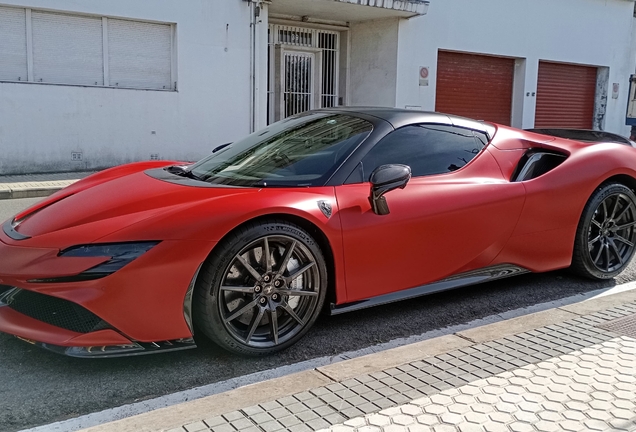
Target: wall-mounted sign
(424, 76)
(615, 89)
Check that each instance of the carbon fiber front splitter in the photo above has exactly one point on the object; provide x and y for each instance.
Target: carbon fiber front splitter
(111, 351)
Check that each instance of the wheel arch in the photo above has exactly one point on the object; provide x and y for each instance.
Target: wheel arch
(624, 179)
(581, 257)
(313, 229)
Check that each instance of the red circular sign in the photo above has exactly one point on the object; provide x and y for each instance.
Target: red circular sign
(424, 72)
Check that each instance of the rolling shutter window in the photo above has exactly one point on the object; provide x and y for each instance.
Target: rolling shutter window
(565, 96)
(13, 45)
(475, 86)
(67, 49)
(140, 54)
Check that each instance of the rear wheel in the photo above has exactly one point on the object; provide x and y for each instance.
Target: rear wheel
(261, 289)
(606, 233)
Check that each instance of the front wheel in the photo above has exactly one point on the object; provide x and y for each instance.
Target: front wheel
(261, 289)
(606, 233)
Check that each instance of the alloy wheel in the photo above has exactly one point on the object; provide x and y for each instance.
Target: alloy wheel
(269, 291)
(612, 233)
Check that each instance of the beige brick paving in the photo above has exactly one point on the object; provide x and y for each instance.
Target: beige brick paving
(573, 375)
(590, 389)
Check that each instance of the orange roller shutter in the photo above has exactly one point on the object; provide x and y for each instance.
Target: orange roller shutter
(475, 86)
(565, 96)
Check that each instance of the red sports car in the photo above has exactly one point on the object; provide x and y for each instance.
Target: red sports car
(353, 207)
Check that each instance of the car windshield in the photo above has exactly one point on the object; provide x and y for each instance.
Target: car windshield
(300, 151)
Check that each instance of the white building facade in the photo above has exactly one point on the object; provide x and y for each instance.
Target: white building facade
(86, 85)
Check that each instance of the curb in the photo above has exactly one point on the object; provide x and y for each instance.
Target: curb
(36, 190)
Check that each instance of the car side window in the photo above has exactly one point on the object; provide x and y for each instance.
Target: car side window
(428, 149)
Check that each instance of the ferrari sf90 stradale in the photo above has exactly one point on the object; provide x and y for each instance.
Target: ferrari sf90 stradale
(335, 209)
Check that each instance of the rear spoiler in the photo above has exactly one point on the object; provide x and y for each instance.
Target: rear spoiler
(586, 135)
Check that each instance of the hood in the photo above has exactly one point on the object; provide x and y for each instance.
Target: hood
(92, 210)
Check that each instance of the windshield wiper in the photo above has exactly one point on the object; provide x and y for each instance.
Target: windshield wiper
(182, 171)
(221, 147)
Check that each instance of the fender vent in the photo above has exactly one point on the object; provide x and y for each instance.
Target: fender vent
(535, 163)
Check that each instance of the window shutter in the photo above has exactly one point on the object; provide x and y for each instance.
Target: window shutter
(140, 54)
(13, 44)
(67, 49)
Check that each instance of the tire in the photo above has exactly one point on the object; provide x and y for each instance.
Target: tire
(606, 233)
(252, 306)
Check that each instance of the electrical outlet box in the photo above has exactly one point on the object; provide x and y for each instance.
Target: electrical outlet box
(76, 156)
(631, 103)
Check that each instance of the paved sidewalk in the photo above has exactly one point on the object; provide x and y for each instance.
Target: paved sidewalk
(37, 185)
(571, 368)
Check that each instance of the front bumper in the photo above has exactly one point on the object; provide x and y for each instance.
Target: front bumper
(102, 343)
(136, 310)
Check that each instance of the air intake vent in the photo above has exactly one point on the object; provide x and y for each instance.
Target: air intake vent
(536, 163)
(54, 311)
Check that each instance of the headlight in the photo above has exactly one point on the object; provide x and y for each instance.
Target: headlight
(120, 254)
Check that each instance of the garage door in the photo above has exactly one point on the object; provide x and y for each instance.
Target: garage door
(475, 86)
(565, 96)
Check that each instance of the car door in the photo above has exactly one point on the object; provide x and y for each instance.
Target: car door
(455, 214)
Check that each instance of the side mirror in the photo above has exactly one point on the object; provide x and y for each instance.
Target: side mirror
(384, 179)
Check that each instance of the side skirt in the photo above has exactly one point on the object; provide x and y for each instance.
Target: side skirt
(463, 279)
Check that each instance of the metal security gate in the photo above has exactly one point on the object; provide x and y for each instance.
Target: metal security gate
(303, 70)
(298, 92)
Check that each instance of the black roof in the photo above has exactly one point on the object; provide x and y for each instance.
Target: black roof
(399, 117)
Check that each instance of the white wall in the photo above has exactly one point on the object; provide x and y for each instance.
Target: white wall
(40, 125)
(590, 32)
(374, 62)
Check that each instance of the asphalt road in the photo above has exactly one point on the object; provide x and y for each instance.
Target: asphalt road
(38, 387)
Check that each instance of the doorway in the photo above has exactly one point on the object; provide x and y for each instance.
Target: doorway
(303, 68)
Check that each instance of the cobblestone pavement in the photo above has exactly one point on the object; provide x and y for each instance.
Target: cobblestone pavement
(572, 376)
(589, 389)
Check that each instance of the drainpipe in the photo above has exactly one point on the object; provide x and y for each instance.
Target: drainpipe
(255, 13)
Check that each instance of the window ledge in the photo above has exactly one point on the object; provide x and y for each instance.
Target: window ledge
(88, 86)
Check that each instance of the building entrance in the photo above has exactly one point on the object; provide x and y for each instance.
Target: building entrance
(303, 70)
